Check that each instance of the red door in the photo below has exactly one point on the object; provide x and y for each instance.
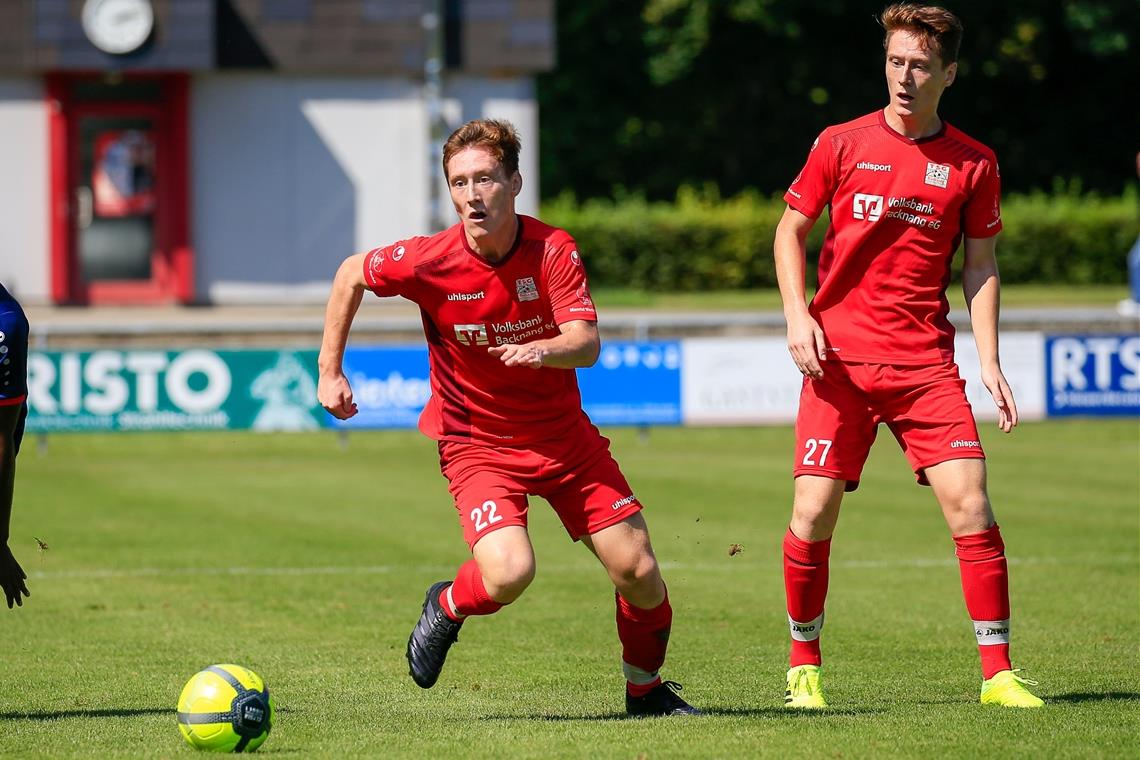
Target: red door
(119, 190)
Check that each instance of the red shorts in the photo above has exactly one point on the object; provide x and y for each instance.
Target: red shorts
(925, 407)
(576, 474)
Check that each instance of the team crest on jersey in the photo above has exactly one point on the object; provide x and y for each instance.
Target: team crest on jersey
(526, 289)
(472, 335)
(937, 174)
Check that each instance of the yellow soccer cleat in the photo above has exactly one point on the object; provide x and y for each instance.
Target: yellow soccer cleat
(1006, 689)
(804, 692)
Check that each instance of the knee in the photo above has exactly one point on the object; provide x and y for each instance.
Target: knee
(508, 576)
(637, 574)
(969, 512)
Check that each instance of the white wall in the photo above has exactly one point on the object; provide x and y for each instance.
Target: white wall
(25, 258)
(290, 175)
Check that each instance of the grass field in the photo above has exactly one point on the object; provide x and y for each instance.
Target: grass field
(306, 561)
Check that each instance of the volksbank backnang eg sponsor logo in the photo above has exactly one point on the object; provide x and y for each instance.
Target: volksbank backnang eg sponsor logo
(472, 334)
(867, 207)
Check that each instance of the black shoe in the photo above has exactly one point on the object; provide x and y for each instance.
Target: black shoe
(433, 635)
(663, 700)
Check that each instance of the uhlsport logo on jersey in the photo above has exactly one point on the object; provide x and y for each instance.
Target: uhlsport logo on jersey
(472, 335)
(867, 207)
(937, 174)
(526, 289)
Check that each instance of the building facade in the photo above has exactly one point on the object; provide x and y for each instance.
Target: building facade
(234, 151)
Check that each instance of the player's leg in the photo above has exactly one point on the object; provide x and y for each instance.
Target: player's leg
(834, 432)
(492, 508)
(960, 487)
(644, 615)
(596, 505)
(939, 436)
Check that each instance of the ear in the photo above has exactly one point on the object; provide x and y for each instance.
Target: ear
(951, 73)
(516, 184)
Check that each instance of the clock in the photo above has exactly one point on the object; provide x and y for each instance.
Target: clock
(118, 26)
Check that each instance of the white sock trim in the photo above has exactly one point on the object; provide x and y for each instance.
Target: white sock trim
(808, 631)
(991, 632)
(451, 604)
(637, 676)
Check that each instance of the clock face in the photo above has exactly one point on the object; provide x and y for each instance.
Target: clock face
(118, 26)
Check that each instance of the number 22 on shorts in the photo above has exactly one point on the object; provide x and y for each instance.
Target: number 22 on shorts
(816, 445)
(485, 515)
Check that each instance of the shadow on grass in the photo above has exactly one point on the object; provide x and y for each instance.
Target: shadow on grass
(106, 713)
(1106, 696)
(710, 712)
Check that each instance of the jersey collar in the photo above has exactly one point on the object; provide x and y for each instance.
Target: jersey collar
(501, 262)
(910, 141)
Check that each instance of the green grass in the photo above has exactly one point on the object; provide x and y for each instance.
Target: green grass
(307, 562)
(1027, 296)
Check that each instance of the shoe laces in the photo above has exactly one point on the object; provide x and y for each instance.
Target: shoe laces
(444, 631)
(1019, 679)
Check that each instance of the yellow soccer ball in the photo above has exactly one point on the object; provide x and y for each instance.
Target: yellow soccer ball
(225, 708)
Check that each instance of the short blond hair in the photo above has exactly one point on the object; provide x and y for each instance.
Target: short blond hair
(496, 135)
(938, 28)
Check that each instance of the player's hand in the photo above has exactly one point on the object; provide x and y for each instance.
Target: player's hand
(515, 355)
(996, 384)
(335, 395)
(807, 346)
(12, 577)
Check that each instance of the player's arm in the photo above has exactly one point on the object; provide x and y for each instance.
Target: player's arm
(12, 576)
(333, 391)
(577, 345)
(805, 337)
(982, 288)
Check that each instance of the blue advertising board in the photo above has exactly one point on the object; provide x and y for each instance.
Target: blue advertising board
(631, 384)
(1095, 375)
(634, 383)
(389, 385)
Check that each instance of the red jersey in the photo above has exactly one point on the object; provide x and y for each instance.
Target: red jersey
(469, 304)
(899, 208)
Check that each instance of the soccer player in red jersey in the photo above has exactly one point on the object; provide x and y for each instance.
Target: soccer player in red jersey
(508, 317)
(903, 189)
(13, 413)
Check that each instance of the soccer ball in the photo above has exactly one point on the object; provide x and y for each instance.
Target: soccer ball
(225, 708)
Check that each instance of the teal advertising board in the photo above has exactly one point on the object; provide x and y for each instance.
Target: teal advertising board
(173, 390)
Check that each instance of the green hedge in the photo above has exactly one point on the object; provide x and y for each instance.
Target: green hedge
(703, 242)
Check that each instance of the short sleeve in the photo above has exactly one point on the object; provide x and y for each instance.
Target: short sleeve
(389, 271)
(567, 285)
(814, 186)
(981, 216)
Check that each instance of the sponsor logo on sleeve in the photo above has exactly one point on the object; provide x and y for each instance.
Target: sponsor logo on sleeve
(937, 175)
(398, 253)
(375, 263)
(526, 289)
(867, 207)
(575, 259)
(584, 295)
(472, 335)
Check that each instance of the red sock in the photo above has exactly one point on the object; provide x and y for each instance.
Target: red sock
(469, 594)
(644, 636)
(985, 584)
(805, 583)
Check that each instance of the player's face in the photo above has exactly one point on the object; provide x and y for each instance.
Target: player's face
(484, 198)
(916, 77)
